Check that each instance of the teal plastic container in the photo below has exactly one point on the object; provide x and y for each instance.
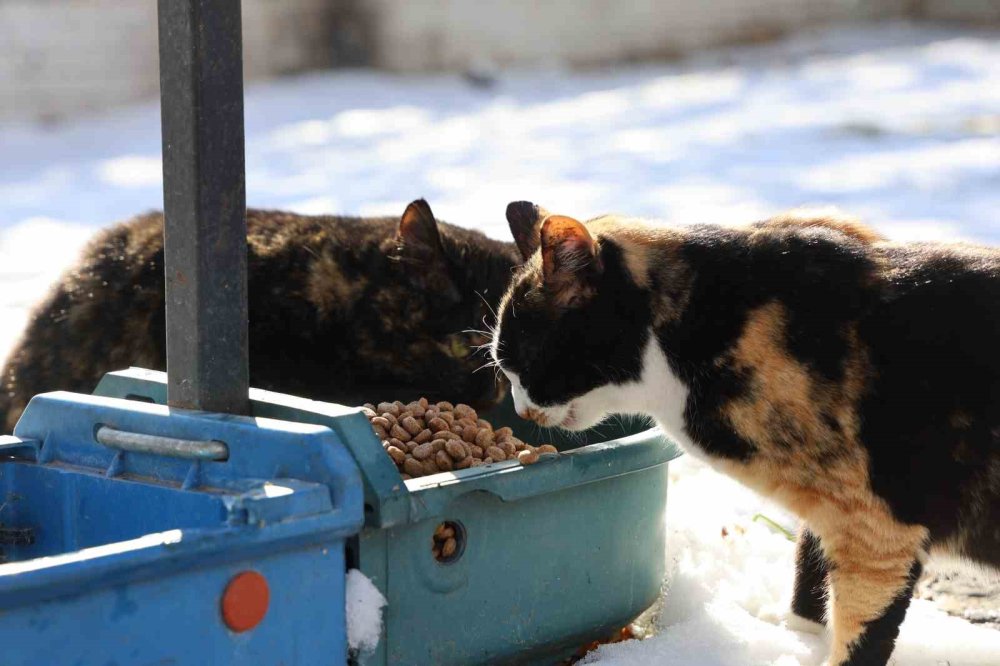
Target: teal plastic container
(550, 556)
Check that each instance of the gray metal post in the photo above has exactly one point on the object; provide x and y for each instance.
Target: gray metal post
(204, 197)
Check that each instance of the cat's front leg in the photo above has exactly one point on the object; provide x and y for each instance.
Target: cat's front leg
(811, 584)
(871, 582)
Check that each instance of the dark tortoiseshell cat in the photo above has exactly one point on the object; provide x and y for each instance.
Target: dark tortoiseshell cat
(341, 309)
(853, 380)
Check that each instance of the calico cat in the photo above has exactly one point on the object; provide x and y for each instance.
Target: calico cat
(342, 309)
(853, 380)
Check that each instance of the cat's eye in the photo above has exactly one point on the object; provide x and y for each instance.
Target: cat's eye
(457, 346)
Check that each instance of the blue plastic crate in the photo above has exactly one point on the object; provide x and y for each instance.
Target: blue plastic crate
(132, 551)
(553, 555)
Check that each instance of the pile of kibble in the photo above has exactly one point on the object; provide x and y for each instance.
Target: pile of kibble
(424, 438)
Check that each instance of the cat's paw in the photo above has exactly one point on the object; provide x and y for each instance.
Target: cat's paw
(798, 623)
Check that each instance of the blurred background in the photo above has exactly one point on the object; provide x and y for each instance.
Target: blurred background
(709, 111)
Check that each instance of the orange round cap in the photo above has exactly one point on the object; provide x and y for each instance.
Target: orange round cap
(244, 603)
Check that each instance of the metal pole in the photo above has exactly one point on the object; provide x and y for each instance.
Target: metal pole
(204, 198)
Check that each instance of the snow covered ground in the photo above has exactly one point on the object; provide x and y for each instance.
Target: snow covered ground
(899, 124)
(730, 587)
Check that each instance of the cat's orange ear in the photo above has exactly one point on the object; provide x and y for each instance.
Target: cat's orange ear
(525, 220)
(570, 260)
(419, 248)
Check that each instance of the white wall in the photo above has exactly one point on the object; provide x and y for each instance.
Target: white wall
(64, 57)
(433, 34)
(974, 11)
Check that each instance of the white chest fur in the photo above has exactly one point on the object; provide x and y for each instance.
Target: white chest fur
(658, 394)
(662, 395)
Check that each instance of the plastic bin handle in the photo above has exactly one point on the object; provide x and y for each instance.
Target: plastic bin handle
(189, 449)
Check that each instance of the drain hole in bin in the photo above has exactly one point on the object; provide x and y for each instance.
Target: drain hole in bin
(448, 542)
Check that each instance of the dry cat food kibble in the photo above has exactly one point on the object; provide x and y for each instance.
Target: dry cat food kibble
(424, 438)
(623, 634)
(446, 542)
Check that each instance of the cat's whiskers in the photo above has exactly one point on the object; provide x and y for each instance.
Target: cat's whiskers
(476, 330)
(488, 364)
(489, 306)
(485, 334)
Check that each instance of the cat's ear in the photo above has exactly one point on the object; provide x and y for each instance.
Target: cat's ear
(418, 229)
(421, 251)
(525, 220)
(570, 260)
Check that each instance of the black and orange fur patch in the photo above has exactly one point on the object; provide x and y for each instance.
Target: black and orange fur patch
(851, 379)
